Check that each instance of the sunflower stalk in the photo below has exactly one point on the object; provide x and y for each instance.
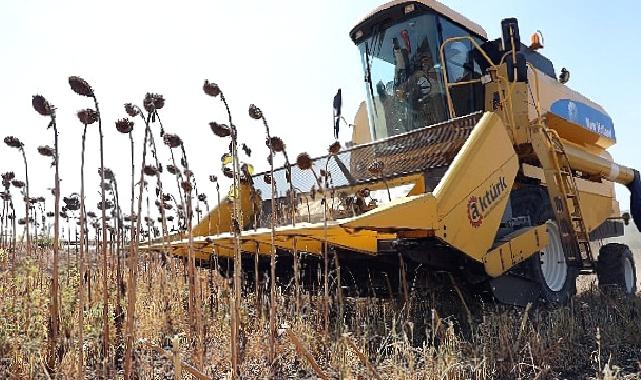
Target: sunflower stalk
(194, 283)
(45, 109)
(133, 259)
(213, 90)
(81, 288)
(273, 311)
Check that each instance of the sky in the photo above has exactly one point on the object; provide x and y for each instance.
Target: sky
(287, 57)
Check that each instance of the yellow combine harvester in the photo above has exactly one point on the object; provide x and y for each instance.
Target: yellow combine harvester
(471, 156)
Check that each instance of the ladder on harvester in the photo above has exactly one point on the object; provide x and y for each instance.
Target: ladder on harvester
(565, 202)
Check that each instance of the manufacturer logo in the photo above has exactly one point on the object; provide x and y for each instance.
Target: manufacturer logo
(478, 207)
(474, 212)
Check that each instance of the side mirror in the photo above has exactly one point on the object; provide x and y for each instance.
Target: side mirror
(626, 218)
(338, 105)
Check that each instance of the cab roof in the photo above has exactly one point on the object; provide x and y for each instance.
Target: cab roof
(436, 7)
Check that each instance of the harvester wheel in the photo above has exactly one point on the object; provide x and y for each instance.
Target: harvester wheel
(549, 268)
(615, 268)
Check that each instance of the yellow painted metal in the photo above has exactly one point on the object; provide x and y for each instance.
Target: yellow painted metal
(361, 133)
(471, 197)
(515, 248)
(411, 213)
(309, 238)
(219, 219)
(597, 166)
(598, 199)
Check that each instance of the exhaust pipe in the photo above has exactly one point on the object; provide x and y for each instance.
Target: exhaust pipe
(635, 199)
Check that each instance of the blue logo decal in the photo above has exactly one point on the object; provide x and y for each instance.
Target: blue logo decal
(585, 116)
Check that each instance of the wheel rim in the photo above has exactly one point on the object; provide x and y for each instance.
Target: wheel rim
(628, 274)
(553, 264)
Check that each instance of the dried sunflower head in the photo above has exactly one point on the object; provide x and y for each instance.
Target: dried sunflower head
(172, 140)
(91, 214)
(211, 89)
(13, 142)
(150, 170)
(220, 130)
(8, 176)
(17, 184)
(202, 197)
(46, 151)
(213, 178)
(153, 102)
(304, 161)
(108, 174)
(80, 86)
(335, 148)
(173, 169)
(41, 105)
(124, 125)
(105, 206)
(87, 116)
(255, 112)
(131, 110)
(275, 143)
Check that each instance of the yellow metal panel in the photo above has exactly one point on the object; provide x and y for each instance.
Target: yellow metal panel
(410, 213)
(473, 194)
(515, 248)
(360, 132)
(210, 225)
(309, 238)
(597, 199)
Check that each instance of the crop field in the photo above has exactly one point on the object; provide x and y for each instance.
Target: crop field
(431, 337)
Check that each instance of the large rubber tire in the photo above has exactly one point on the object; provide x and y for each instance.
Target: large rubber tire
(534, 202)
(615, 268)
(549, 269)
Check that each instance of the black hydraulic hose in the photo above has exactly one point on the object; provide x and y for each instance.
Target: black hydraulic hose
(635, 199)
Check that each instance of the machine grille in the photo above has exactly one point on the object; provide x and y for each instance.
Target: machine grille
(420, 150)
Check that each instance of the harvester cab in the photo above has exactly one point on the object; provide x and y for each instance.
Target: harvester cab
(473, 158)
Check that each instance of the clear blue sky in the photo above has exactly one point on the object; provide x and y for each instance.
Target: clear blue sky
(288, 57)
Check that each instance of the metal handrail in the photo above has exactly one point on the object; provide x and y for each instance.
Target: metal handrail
(448, 96)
